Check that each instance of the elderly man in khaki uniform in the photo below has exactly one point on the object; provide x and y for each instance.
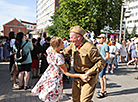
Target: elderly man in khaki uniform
(86, 59)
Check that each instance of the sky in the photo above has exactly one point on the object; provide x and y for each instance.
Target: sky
(19, 9)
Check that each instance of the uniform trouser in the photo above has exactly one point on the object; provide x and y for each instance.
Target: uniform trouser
(83, 92)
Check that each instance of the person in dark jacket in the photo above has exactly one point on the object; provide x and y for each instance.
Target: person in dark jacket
(44, 63)
(35, 59)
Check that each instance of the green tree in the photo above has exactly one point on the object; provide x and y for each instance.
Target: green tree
(133, 33)
(59, 27)
(127, 34)
(92, 15)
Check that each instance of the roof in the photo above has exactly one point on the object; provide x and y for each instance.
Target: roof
(8, 23)
(27, 22)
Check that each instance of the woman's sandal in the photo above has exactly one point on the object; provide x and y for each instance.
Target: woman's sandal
(27, 87)
(105, 92)
(20, 87)
(136, 77)
(100, 95)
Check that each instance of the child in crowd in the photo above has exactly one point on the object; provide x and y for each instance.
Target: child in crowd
(112, 54)
(6, 53)
(35, 59)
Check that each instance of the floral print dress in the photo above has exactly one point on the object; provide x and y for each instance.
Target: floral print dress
(49, 88)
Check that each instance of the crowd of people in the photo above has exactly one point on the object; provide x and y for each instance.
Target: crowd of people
(92, 59)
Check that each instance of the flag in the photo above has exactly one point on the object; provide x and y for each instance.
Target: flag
(34, 28)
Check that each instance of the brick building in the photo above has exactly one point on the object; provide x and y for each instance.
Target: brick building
(15, 26)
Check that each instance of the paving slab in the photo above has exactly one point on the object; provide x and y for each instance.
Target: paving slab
(121, 87)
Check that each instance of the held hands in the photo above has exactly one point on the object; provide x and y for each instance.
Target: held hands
(84, 77)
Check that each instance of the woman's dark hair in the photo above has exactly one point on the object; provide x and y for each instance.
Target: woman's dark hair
(44, 34)
(19, 38)
(47, 38)
(34, 40)
(30, 35)
(38, 39)
(11, 35)
(1, 37)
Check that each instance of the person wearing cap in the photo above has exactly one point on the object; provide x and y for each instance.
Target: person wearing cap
(105, 55)
(86, 59)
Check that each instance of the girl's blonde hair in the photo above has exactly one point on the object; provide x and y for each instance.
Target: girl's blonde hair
(55, 42)
(124, 43)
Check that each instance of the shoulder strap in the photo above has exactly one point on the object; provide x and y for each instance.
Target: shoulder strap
(24, 44)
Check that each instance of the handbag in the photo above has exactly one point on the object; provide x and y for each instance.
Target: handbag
(20, 54)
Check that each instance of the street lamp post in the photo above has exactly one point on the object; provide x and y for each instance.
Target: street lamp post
(121, 23)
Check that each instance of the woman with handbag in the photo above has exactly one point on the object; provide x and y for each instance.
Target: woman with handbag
(25, 66)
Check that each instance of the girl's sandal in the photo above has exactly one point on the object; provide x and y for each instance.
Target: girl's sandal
(100, 95)
(26, 87)
(20, 87)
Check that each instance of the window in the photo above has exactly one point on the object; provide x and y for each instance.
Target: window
(18, 24)
(19, 30)
(12, 24)
(11, 29)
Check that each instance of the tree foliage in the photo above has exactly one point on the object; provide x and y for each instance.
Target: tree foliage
(133, 33)
(127, 36)
(92, 15)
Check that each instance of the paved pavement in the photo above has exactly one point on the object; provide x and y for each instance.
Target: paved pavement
(121, 87)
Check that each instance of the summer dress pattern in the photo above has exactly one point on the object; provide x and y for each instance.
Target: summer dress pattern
(49, 88)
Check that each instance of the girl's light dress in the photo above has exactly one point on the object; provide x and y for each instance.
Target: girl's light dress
(49, 88)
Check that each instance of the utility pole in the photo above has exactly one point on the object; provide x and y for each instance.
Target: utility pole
(121, 23)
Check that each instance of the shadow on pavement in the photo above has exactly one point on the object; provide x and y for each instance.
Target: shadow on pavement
(110, 85)
(123, 92)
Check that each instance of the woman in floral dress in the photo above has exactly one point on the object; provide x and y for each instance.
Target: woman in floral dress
(49, 88)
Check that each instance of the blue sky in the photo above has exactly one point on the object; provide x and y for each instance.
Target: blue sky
(19, 9)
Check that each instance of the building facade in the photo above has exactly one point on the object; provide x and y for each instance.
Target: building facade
(45, 9)
(15, 26)
(132, 20)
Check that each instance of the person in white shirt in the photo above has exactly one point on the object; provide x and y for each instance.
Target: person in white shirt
(123, 51)
(118, 45)
(112, 59)
(11, 44)
(43, 40)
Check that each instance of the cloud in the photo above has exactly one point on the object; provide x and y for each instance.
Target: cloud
(10, 11)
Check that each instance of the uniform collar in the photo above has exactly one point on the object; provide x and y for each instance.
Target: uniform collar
(81, 43)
